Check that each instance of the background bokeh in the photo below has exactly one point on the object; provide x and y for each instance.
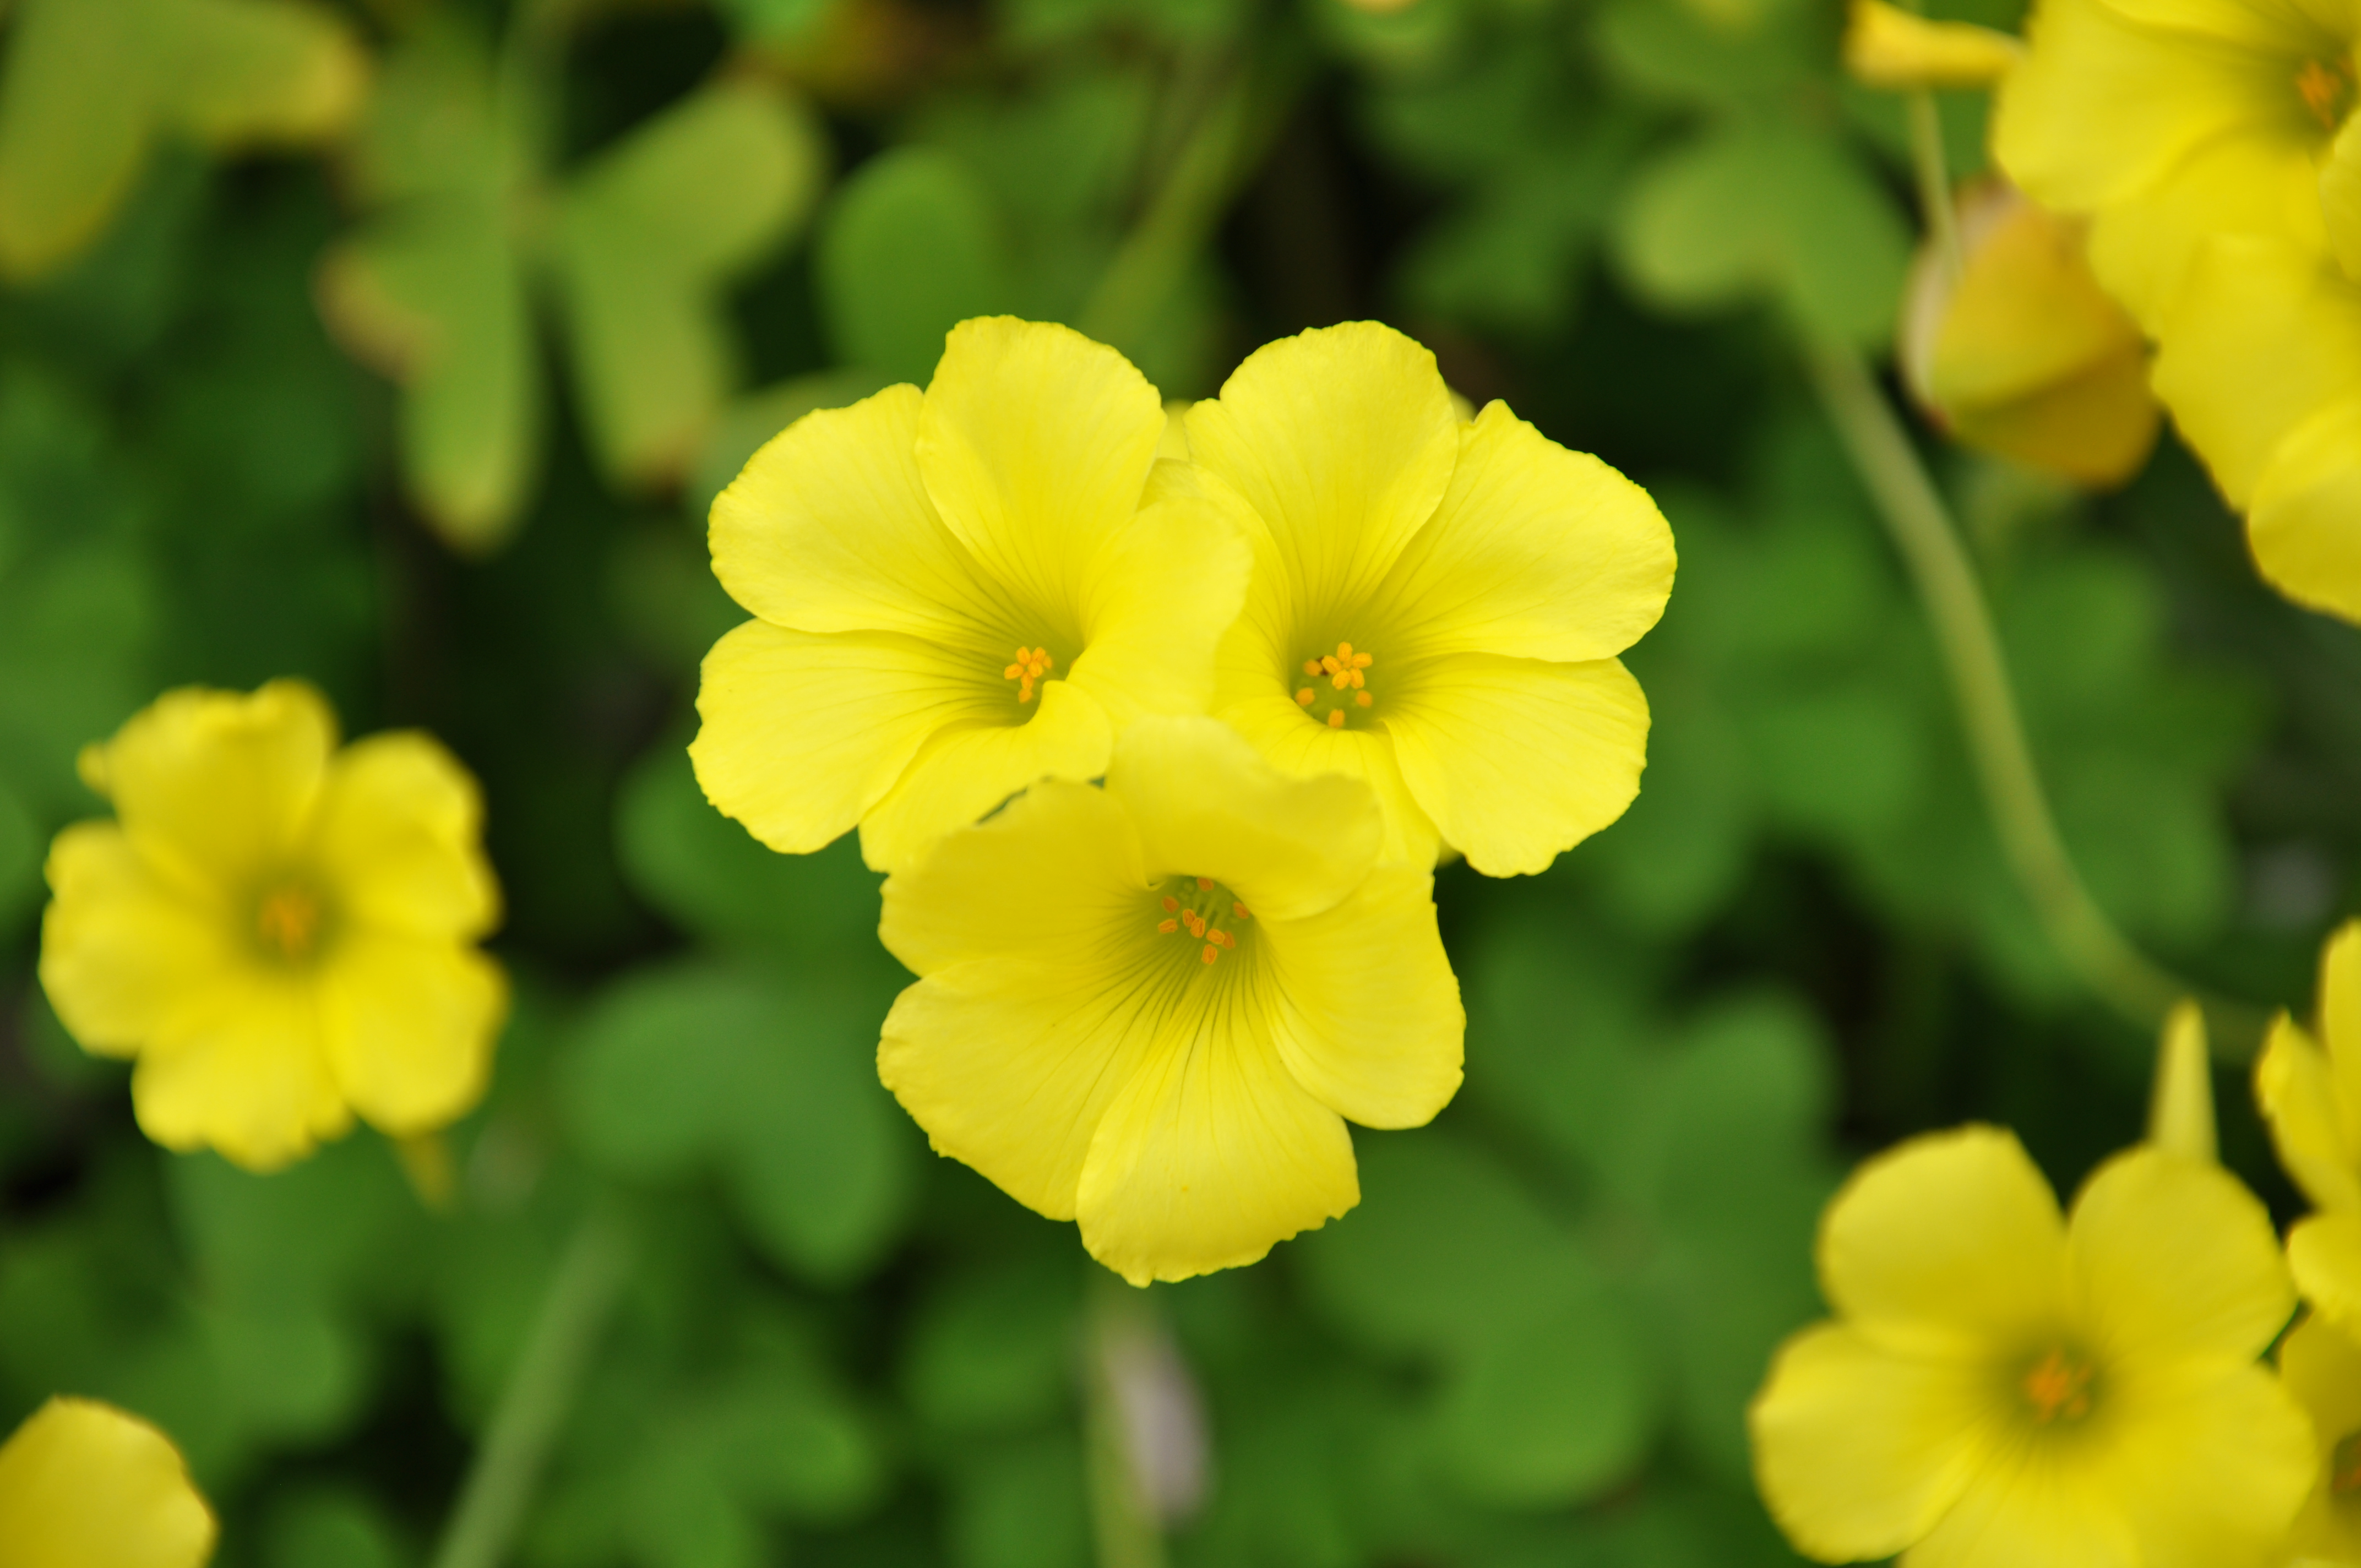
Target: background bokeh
(604, 249)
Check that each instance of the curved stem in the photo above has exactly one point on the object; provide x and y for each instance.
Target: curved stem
(1920, 524)
(499, 1486)
(1123, 1524)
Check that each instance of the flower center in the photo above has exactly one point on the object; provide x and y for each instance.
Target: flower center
(287, 922)
(2326, 87)
(1345, 686)
(1032, 664)
(2058, 1388)
(1205, 911)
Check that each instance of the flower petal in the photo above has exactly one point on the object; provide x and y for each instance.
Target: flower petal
(1035, 445)
(1302, 748)
(410, 1028)
(1205, 804)
(1155, 601)
(829, 529)
(2215, 1476)
(2300, 520)
(1343, 440)
(2339, 1009)
(1535, 553)
(1518, 760)
(2323, 1253)
(85, 1485)
(214, 786)
(803, 734)
(124, 951)
(962, 772)
(1947, 1242)
(2141, 247)
(399, 833)
(1368, 1017)
(2174, 1259)
(1211, 1152)
(2298, 1096)
(2024, 1509)
(1048, 877)
(250, 1080)
(1859, 1451)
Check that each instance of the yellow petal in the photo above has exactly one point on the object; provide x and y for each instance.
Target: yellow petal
(1342, 440)
(2214, 1473)
(829, 529)
(2300, 522)
(125, 952)
(2340, 199)
(251, 1079)
(410, 1028)
(1034, 444)
(1857, 1451)
(399, 835)
(1516, 759)
(1535, 551)
(1210, 1151)
(2263, 334)
(2172, 1258)
(962, 774)
(1368, 1017)
(2340, 1007)
(2180, 1103)
(217, 786)
(2286, 31)
(2319, 1365)
(2024, 1509)
(2142, 247)
(84, 1486)
(1157, 599)
(1053, 873)
(1887, 46)
(803, 734)
(1950, 1241)
(2299, 1096)
(1271, 723)
(2323, 1251)
(1205, 804)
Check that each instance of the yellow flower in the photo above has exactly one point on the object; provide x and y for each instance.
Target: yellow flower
(1437, 604)
(84, 1486)
(2312, 1096)
(2021, 354)
(1886, 46)
(956, 592)
(2003, 1389)
(1152, 1006)
(281, 932)
(2322, 1367)
(2171, 120)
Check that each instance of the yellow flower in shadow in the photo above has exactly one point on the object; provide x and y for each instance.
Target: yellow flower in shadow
(2309, 1087)
(84, 1486)
(2321, 1365)
(1152, 1007)
(280, 933)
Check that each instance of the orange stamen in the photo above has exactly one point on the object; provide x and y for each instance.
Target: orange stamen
(1240, 911)
(1204, 884)
(1336, 718)
(2327, 90)
(2058, 1388)
(1363, 698)
(1165, 927)
(1171, 903)
(1211, 952)
(1303, 697)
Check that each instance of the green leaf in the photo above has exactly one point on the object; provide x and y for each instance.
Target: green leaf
(908, 247)
(1554, 1410)
(995, 1348)
(331, 1527)
(20, 860)
(646, 238)
(1019, 1505)
(1678, 53)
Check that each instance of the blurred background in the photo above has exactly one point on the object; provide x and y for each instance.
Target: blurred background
(401, 346)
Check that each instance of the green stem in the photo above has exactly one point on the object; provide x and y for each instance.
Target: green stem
(500, 1483)
(1121, 1521)
(1934, 176)
(1920, 525)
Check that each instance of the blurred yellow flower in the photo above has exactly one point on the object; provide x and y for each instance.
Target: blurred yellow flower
(2004, 1389)
(279, 932)
(958, 592)
(2322, 1367)
(1437, 604)
(2311, 1095)
(1153, 1006)
(84, 1486)
(2022, 353)
(1887, 46)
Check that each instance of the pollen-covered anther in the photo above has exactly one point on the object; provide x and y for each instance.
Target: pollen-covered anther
(1240, 911)
(1345, 670)
(287, 922)
(1165, 927)
(2058, 1388)
(2327, 90)
(1303, 698)
(1336, 719)
(1032, 664)
(1211, 952)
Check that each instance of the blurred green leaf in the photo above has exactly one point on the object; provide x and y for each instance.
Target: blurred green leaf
(908, 247)
(1019, 1504)
(319, 1528)
(994, 1347)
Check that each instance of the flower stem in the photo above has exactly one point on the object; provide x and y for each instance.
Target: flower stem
(1934, 178)
(499, 1486)
(1920, 524)
(1121, 1522)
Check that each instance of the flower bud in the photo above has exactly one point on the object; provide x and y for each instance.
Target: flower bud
(1887, 46)
(2021, 353)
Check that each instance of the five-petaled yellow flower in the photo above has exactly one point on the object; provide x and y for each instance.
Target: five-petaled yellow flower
(2322, 1367)
(958, 592)
(84, 1486)
(279, 932)
(1437, 604)
(1153, 1006)
(2003, 1388)
(2312, 1096)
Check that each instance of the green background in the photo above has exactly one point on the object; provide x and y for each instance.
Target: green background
(1533, 1341)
